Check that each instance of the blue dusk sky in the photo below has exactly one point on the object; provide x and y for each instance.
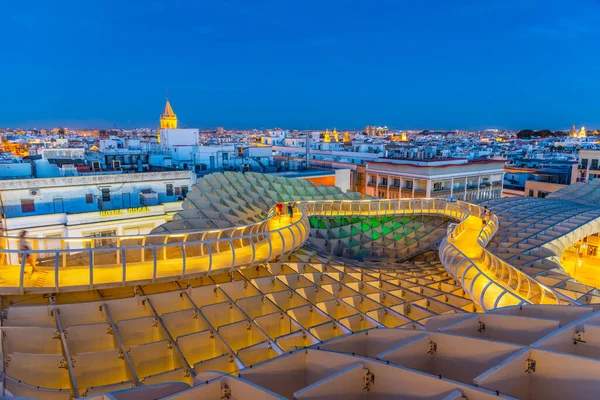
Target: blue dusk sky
(437, 64)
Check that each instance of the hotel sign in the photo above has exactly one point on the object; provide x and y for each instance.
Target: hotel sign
(124, 211)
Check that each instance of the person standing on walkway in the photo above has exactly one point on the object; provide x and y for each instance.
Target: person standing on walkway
(279, 210)
(485, 216)
(291, 210)
(24, 247)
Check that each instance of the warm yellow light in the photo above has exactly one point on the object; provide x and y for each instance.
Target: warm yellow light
(168, 119)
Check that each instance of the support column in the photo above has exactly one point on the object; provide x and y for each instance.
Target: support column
(389, 179)
(478, 186)
(465, 192)
(400, 188)
(451, 186)
(366, 180)
(413, 187)
(428, 188)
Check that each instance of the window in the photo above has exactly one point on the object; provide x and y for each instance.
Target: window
(170, 191)
(184, 190)
(101, 242)
(530, 192)
(27, 205)
(594, 164)
(409, 184)
(381, 194)
(89, 198)
(105, 194)
(177, 191)
(359, 179)
(584, 163)
(542, 194)
(384, 181)
(397, 182)
(437, 186)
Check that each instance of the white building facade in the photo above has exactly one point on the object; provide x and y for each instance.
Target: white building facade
(91, 205)
(447, 178)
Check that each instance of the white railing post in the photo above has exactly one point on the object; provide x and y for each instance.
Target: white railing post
(155, 262)
(123, 263)
(232, 253)
(293, 236)
(184, 260)
(91, 260)
(268, 235)
(118, 247)
(209, 249)
(22, 272)
(143, 249)
(282, 243)
(56, 261)
(202, 240)
(164, 248)
(253, 253)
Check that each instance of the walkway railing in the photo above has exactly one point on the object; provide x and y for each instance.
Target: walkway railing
(95, 263)
(489, 280)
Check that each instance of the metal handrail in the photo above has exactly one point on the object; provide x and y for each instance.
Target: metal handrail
(448, 255)
(484, 238)
(262, 244)
(489, 277)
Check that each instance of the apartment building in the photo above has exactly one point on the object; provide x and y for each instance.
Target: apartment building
(92, 205)
(589, 165)
(442, 178)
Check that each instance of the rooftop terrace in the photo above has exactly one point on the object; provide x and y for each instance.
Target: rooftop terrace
(231, 300)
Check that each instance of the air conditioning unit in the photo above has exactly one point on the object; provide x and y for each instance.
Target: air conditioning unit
(34, 192)
(95, 165)
(116, 165)
(148, 198)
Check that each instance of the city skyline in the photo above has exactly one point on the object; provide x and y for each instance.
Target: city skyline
(508, 65)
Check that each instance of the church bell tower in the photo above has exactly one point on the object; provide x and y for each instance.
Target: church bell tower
(168, 119)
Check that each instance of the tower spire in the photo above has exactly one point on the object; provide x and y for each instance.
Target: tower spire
(168, 119)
